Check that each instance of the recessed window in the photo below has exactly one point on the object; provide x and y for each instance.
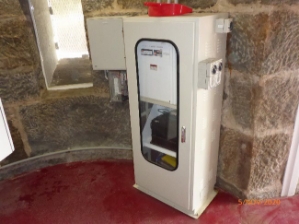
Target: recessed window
(61, 37)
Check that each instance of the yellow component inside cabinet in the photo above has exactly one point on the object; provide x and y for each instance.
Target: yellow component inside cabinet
(169, 160)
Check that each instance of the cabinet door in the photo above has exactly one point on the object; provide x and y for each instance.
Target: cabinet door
(169, 178)
(157, 75)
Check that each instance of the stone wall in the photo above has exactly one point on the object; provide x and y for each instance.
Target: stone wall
(44, 122)
(260, 99)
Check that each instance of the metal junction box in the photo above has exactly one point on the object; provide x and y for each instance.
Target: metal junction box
(106, 43)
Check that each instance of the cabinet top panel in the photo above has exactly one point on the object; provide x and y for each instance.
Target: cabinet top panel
(186, 17)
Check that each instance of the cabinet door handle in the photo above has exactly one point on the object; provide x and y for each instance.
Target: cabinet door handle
(183, 134)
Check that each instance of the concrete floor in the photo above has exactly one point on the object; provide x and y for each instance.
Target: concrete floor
(102, 192)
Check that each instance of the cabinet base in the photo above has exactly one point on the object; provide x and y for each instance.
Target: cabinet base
(185, 211)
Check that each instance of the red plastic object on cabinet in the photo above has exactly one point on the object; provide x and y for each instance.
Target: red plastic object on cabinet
(166, 9)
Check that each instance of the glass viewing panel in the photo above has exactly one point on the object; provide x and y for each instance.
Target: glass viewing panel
(157, 73)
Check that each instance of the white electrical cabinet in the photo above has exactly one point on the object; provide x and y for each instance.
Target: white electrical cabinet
(6, 144)
(174, 67)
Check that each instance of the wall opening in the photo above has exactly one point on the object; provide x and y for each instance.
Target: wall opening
(61, 38)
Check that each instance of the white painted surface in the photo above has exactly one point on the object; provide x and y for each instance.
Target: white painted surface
(189, 187)
(207, 115)
(69, 28)
(106, 43)
(45, 37)
(291, 174)
(6, 144)
(71, 86)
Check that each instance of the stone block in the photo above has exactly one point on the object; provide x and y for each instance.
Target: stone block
(229, 188)
(76, 122)
(99, 153)
(139, 4)
(120, 13)
(234, 162)
(100, 82)
(17, 44)
(241, 97)
(10, 112)
(268, 165)
(246, 42)
(95, 5)
(282, 46)
(267, 2)
(131, 4)
(272, 191)
(202, 4)
(277, 2)
(276, 101)
(235, 2)
(16, 86)
(19, 153)
(10, 8)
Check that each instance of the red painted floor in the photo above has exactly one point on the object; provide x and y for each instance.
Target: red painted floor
(102, 192)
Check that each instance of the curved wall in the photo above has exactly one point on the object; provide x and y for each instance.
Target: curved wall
(260, 100)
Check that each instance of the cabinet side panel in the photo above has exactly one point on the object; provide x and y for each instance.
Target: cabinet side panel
(208, 114)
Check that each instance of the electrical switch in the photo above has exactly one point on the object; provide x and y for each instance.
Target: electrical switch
(209, 73)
